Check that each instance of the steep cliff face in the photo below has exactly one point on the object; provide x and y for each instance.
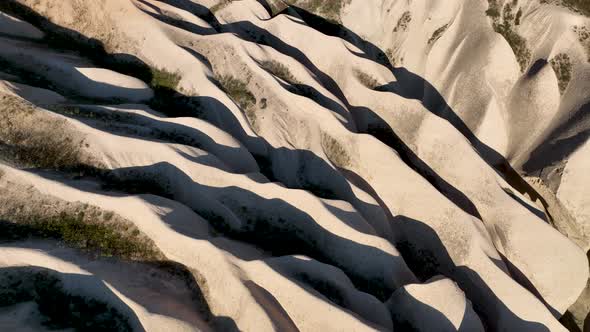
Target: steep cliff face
(294, 165)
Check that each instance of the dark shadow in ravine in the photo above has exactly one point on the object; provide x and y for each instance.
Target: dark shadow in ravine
(304, 164)
(62, 309)
(412, 86)
(560, 143)
(325, 282)
(427, 256)
(271, 224)
(526, 205)
(124, 275)
(175, 104)
(134, 125)
(179, 23)
(282, 229)
(272, 307)
(250, 32)
(196, 9)
(277, 241)
(405, 86)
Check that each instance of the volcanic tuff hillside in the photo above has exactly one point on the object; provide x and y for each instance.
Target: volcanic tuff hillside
(337, 165)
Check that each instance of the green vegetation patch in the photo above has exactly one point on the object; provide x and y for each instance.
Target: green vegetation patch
(297, 87)
(162, 78)
(242, 96)
(562, 66)
(28, 213)
(238, 91)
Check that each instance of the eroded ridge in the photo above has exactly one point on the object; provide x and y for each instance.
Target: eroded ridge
(294, 165)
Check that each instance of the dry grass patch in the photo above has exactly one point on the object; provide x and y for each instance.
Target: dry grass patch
(279, 70)
(32, 139)
(403, 22)
(238, 90)
(162, 78)
(437, 34)
(81, 226)
(219, 6)
(503, 20)
(366, 79)
(335, 151)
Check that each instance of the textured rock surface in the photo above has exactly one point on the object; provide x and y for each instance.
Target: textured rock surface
(294, 165)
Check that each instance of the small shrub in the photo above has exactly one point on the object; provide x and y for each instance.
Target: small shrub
(562, 66)
(366, 79)
(403, 22)
(437, 34)
(508, 15)
(493, 9)
(493, 12)
(582, 32)
(393, 60)
(279, 70)
(238, 91)
(219, 6)
(164, 79)
(241, 95)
